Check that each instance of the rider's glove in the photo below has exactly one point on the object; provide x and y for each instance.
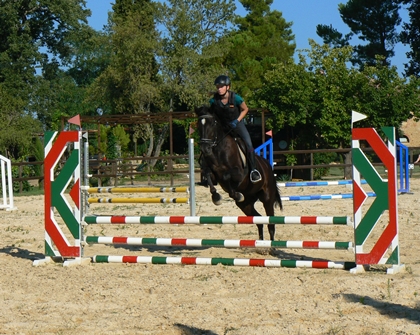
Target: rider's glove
(233, 124)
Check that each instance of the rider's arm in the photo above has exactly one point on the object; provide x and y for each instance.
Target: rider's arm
(243, 110)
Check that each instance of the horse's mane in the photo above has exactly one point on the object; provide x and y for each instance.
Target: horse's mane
(210, 111)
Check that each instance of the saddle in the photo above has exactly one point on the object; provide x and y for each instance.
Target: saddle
(242, 150)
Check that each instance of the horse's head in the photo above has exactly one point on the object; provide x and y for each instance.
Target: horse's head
(207, 129)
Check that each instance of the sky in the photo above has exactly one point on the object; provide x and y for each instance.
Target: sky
(305, 15)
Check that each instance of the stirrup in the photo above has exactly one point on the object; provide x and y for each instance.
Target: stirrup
(255, 176)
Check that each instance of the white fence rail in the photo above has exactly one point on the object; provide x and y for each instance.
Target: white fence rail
(6, 184)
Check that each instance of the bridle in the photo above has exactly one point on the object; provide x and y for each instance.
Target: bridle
(208, 141)
(212, 142)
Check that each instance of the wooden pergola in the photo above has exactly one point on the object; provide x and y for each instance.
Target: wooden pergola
(134, 119)
(153, 118)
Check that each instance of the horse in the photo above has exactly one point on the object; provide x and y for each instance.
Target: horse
(223, 162)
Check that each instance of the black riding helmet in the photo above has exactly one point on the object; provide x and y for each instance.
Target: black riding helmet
(222, 80)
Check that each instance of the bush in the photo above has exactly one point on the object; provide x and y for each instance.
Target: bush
(26, 172)
(323, 158)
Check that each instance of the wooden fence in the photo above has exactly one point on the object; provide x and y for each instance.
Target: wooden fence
(129, 168)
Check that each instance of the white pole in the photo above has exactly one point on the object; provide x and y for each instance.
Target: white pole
(3, 184)
(192, 175)
(6, 170)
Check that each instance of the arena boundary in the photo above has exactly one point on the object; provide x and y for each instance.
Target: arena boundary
(385, 251)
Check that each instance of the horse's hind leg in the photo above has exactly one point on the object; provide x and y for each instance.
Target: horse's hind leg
(271, 231)
(260, 231)
(249, 210)
(269, 211)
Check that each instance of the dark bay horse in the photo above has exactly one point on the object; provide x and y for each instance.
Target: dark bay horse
(223, 162)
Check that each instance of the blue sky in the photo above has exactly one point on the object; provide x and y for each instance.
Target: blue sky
(305, 15)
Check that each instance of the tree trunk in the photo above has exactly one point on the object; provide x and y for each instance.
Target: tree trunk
(348, 170)
(161, 139)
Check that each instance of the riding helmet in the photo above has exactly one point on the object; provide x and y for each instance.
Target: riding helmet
(222, 80)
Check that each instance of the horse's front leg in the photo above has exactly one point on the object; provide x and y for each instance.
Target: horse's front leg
(233, 180)
(237, 196)
(215, 196)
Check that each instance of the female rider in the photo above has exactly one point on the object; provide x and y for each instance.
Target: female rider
(234, 110)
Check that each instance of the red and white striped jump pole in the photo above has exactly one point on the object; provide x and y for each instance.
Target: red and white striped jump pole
(192, 242)
(324, 220)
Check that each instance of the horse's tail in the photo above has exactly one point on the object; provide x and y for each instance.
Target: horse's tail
(278, 202)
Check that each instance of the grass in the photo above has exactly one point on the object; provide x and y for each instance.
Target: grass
(32, 191)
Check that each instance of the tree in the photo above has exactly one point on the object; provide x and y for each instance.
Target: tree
(33, 42)
(92, 52)
(374, 22)
(263, 39)
(17, 126)
(410, 35)
(192, 48)
(317, 97)
(130, 83)
(332, 36)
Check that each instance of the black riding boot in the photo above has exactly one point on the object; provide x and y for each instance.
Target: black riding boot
(255, 175)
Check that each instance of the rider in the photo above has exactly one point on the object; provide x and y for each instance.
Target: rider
(235, 110)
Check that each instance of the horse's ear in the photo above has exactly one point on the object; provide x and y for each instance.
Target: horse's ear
(201, 110)
(212, 109)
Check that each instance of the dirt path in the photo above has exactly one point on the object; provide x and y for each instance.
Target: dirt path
(194, 299)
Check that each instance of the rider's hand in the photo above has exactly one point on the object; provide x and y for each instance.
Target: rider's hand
(233, 124)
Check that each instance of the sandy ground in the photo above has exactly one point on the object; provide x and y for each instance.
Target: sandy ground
(198, 299)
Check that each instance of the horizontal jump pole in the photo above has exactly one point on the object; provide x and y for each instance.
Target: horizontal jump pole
(285, 263)
(137, 189)
(139, 200)
(322, 197)
(318, 183)
(115, 219)
(190, 242)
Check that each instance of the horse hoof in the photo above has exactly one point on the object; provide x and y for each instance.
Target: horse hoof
(217, 199)
(239, 197)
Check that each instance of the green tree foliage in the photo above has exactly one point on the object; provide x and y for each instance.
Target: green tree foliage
(122, 137)
(263, 39)
(92, 52)
(374, 22)
(332, 36)
(192, 48)
(33, 35)
(410, 35)
(317, 97)
(128, 85)
(16, 125)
